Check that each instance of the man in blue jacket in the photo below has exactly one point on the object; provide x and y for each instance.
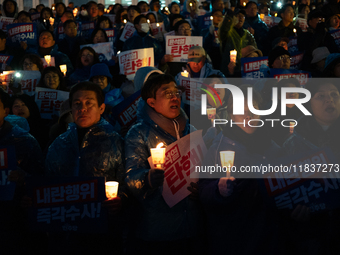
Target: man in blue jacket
(160, 229)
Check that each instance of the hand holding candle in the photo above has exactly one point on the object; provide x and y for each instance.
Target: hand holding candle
(51, 21)
(158, 155)
(227, 160)
(233, 55)
(75, 12)
(185, 73)
(111, 189)
(48, 59)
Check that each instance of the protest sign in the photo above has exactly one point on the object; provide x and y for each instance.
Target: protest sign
(192, 93)
(128, 30)
(292, 45)
(302, 23)
(336, 36)
(105, 50)
(178, 46)
(204, 21)
(111, 34)
(7, 164)
(22, 32)
(296, 60)
(181, 157)
(87, 29)
(4, 22)
(250, 67)
(130, 61)
(49, 101)
(271, 21)
(5, 60)
(126, 111)
(52, 63)
(300, 75)
(157, 30)
(60, 31)
(304, 184)
(28, 80)
(67, 204)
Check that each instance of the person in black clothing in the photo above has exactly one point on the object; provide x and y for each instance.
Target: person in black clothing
(17, 53)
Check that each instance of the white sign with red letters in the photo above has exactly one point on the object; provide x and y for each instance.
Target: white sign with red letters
(178, 46)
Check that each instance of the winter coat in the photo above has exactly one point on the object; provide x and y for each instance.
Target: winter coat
(211, 44)
(158, 222)
(239, 223)
(259, 27)
(100, 153)
(139, 42)
(71, 47)
(80, 74)
(233, 39)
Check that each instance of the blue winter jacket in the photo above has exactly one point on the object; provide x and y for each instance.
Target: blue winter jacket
(79, 75)
(100, 154)
(260, 28)
(138, 42)
(158, 222)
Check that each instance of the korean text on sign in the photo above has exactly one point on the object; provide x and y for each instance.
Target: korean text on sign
(178, 46)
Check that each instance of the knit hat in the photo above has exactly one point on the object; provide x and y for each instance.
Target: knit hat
(331, 59)
(100, 70)
(275, 53)
(320, 54)
(246, 51)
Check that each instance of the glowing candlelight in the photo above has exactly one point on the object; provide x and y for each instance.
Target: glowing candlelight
(63, 69)
(44, 20)
(293, 3)
(51, 21)
(75, 12)
(211, 17)
(294, 30)
(157, 24)
(244, 4)
(148, 21)
(105, 10)
(233, 55)
(190, 4)
(262, 16)
(291, 127)
(118, 52)
(185, 73)
(111, 189)
(158, 155)
(227, 160)
(166, 8)
(48, 59)
(125, 21)
(275, 15)
(53, 8)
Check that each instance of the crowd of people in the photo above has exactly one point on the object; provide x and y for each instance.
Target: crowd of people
(220, 215)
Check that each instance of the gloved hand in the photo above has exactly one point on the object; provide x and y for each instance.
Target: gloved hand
(155, 178)
(226, 186)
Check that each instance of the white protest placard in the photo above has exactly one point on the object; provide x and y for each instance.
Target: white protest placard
(181, 157)
(178, 46)
(129, 29)
(302, 24)
(130, 61)
(4, 21)
(49, 101)
(271, 21)
(157, 30)
(192, 93)
(52, 63)
(105, 50)
(28, 80)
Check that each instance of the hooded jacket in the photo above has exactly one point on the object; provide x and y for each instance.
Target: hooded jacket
(5, 13)
(158, 222)
(100, 153)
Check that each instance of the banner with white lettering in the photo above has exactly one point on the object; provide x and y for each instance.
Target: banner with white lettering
(250, 67)
(128, 31)
(22, 32)
(178, 46)
(181, 157)
(130, 61)
(7, 164)
(87, 29)
(126, 111)
(336, 36)
(4, 22)
(49, 101)
(105, 50)
(300, 75)
(67, 204)
(313, 181)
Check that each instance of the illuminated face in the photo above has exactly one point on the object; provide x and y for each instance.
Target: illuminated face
(218, 5)
(51, 80)
(87, 58)
(144, 8)
(184, 30)
(60, 9)
(175, 9)
(28, 65)
(19, 108)
(24, 19)
(326, 104)
(10, 7)
(71, 30)
(167, 102)
(251, 10)
(156, 6)
(334, 22)
(85, 109)
(99, 37)
(46, 15)
(46, 40)
(93, 10)
(66, 16)
(217, 18)
(101, 81)
(241, 19)
(104, 24)
(282, 62)
(283, 44)
(152, 19)
(288, 15)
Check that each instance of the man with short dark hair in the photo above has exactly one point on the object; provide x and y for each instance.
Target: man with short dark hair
(161, 229)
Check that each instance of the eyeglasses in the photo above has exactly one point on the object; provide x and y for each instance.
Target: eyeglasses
(284, 58)
(170, 94)
(184, 30)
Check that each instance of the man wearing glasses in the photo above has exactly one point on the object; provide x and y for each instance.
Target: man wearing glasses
(279, 58)
(160, 228)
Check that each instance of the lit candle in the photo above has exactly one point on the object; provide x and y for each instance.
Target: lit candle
(63, 69)
(105, 10)
(157, 24)
(275, 15)
(48, 59)
(166, 8)
(293, 2)
(291, 127)
(294, 30)
(111, 189)
(211, 18)
(233, 55)
(190, 4)
(158, 155)
(53, 8)
(75, 12)
(125, 21)
(148, 21)
(44, 20)
(244, 4)
(227, 160)
(51, 21)
(185, 73)
(118, 52)
(262, 16)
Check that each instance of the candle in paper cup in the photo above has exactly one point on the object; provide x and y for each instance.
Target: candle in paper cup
(233, 55)
(111, 189)
(293, 3)
(125, 21)
(63, 69)
(75, 11)
(158, 155)
(44, 20)
(190, 4)
(185, 73)
(166, 8)
(157, 24)
(148, 21)
(211, 17)
(262, 16)
(275, 15)
(51, 21)
(211, 113)
(291, 127)
(48, 59)
(227, 160)
(53, 8)
(105, 10)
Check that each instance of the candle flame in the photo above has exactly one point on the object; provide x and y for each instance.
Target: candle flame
(275, 14)
(294, 30)
(190, 4)
(211, 17)
(160, 145)
(244, 4)
(148, 21)
(157, 24)
(124, 20)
